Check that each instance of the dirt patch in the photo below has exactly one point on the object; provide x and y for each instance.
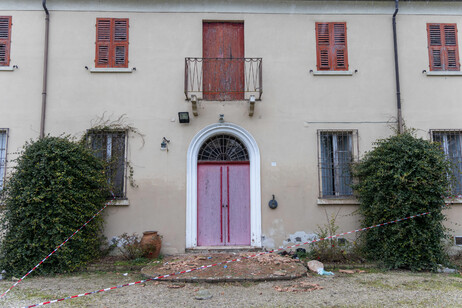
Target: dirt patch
(113, 263)
(262, 268)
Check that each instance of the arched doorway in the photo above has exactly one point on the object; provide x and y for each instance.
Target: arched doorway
(223, 203)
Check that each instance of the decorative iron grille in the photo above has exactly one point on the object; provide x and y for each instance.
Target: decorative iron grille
(451, 144)
(335, 155)
(110, 146)
(222, 71)
(223, 148)
(3, 143)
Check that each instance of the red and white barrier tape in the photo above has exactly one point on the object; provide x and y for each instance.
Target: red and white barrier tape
(56, 249)
(225, 262)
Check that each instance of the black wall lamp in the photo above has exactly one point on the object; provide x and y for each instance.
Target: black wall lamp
(183, 117)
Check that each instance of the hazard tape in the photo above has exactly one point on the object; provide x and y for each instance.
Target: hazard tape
(56, 249)
(225, 262)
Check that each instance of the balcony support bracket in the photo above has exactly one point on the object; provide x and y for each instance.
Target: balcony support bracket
(194, 105)
(251, 105)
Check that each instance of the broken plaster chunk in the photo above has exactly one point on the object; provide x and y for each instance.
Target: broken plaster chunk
(318, 267)
(203, 295)
(314, 265)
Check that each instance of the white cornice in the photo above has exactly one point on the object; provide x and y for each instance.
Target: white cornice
(343, 7)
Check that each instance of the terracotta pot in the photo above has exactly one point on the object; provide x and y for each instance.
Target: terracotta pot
(151, 242)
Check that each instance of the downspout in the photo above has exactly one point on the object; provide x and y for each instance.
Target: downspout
(45, 70)
(398, 91)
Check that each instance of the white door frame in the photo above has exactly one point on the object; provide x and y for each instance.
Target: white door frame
(191, 180)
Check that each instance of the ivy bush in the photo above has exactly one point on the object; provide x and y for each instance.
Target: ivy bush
(57, 185)
(402, 176)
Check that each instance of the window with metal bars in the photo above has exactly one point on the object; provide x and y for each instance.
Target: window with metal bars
(335, 157)
(111, 42)
(223, 148)
(3, 144)
(442, 47)
(110, 146)
(331, 46)
(451, 143)
(5, 40)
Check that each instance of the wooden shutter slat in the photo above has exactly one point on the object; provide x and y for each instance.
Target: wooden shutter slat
(102, 55)
(340, 58)
(323, 36)
(121, 30)
(324, 62)
(434, 33)
(120, 54)
(450, 35)
(3, 53)
(435, 59)
(339, 34)
(451, 58)
(5, 28)
(103, 32)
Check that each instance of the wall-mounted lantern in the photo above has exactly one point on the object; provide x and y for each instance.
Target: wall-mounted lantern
(183, 117)
(164, 144)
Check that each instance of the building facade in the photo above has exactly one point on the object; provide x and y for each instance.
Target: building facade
(213, 109)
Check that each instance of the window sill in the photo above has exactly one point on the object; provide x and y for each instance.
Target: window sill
(8, 68)
(120, 202)
(444, 73)
(337, 201)
(112, 69)
(455, 201)
(332, 73)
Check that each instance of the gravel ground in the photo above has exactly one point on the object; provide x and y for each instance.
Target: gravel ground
(390, 289)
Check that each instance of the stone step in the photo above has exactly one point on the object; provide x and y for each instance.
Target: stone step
(221, 249)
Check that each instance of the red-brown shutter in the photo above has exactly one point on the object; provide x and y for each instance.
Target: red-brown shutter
(120, 45)
(323, 46)
(111, 42)
(451, 48)
(331, 45)
(103, 42)
(339, 47)
(5, 40)
(442, 47)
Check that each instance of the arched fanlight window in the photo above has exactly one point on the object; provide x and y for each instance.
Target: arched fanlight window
(223, 148)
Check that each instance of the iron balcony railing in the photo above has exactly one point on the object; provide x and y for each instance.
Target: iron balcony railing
(223, 79)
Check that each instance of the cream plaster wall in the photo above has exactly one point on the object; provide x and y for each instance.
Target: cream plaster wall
(295, 104)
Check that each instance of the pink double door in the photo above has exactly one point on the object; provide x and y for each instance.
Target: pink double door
(223, 204)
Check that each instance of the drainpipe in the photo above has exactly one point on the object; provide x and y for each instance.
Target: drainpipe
(398, 92)
(45, 70)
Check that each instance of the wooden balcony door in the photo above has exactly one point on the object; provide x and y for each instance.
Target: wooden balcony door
(223, 66)
(223, 205)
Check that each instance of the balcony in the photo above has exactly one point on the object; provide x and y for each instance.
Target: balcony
(223, 79)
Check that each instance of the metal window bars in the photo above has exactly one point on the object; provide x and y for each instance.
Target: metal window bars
(335, 154)
(450, 141)
(110, 145)
(3, 153)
